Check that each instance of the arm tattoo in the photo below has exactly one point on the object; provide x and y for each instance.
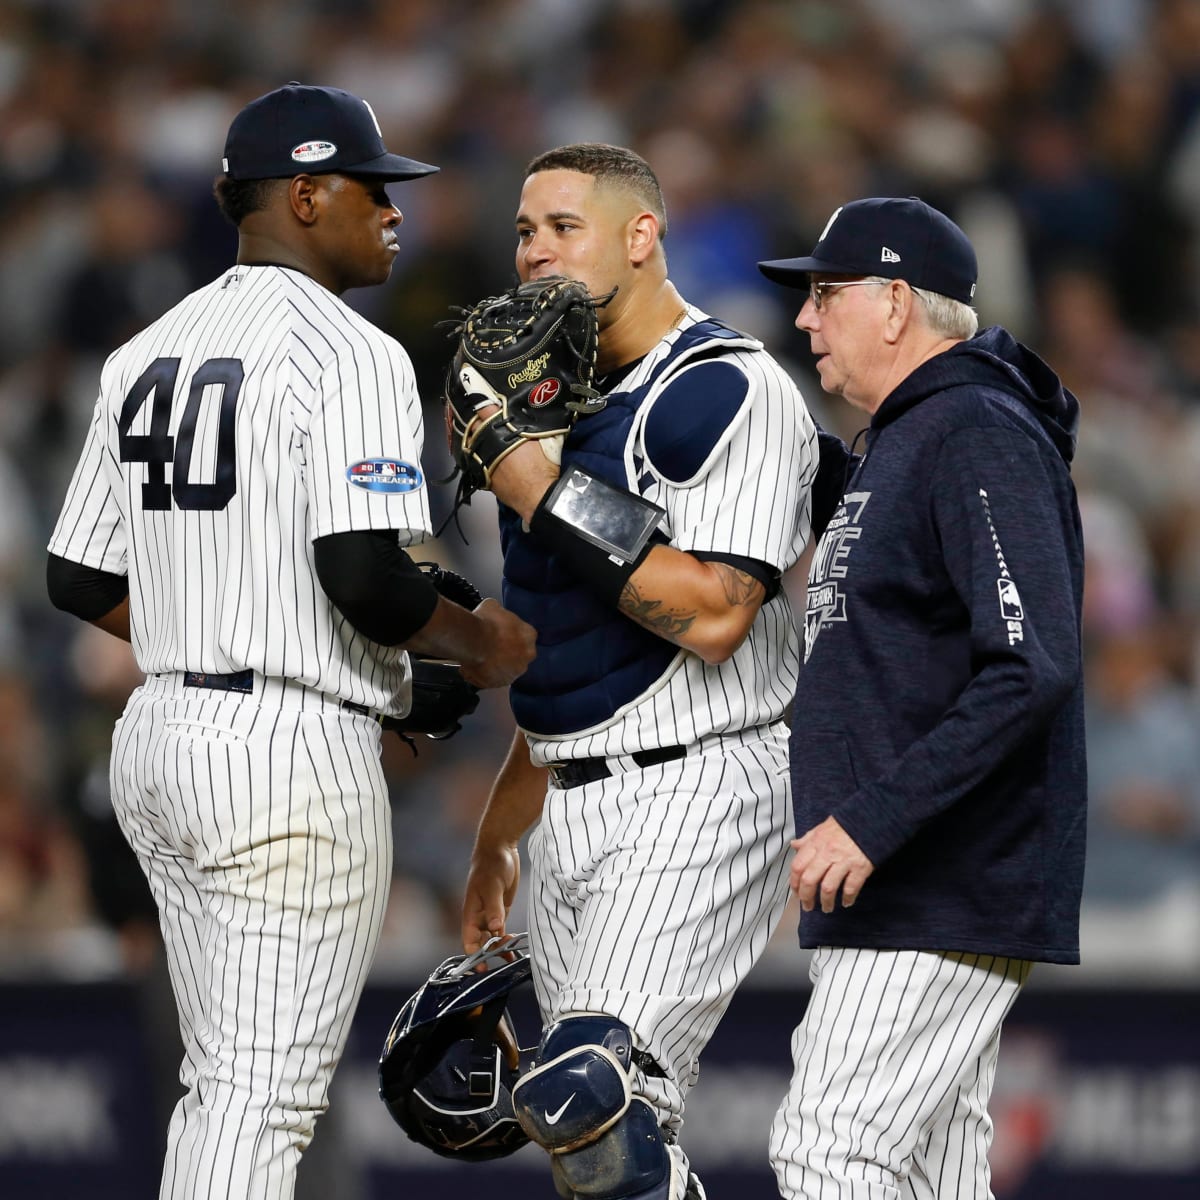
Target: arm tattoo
(651, 614)
(741, 590)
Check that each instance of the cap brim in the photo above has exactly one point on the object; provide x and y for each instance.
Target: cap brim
(390, 166)
(794, 272)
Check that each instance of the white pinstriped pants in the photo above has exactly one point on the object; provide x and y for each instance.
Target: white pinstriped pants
(653, 893)
(264, 831)
(894, 1063)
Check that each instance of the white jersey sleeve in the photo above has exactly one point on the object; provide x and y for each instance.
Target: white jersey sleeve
(748, 497)
(91, 525)
(752, 498)
(363, 457)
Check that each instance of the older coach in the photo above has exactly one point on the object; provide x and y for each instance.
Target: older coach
(938, 770)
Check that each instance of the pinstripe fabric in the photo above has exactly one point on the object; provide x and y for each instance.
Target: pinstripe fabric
(752, 501)
(235, 588)
(894, 1063)
(653, 893)
(264, 831)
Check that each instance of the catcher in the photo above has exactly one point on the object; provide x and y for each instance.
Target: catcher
(646, 548)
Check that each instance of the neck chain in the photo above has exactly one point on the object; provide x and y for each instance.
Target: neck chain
(617, 373)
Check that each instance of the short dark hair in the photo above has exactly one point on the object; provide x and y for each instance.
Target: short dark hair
(238, 198)
(613, 164)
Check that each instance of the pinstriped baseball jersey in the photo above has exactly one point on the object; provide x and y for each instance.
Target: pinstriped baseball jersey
(258, 414)
(751, 498)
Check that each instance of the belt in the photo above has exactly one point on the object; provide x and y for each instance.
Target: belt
(243, 682)
(579, 771)
(239, 681)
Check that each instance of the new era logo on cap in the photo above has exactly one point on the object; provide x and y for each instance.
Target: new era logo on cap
(298, 129)
(894, 237)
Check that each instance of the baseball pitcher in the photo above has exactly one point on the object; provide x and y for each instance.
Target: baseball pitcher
(238, 513)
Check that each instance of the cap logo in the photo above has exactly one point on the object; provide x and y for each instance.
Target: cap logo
(829, 224)
(313, 152)
(374, 118)
(889, 256)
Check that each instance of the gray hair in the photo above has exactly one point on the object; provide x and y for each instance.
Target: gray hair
(950, 318)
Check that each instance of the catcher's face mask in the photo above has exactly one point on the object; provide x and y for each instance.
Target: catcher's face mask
(450, 1060)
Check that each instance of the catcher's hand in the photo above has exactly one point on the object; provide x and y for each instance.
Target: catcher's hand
(441, 697)
(532, 353)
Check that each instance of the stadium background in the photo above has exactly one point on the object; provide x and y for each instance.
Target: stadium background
(1064, 137)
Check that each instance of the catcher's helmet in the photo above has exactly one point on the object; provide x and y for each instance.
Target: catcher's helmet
(451, 1059)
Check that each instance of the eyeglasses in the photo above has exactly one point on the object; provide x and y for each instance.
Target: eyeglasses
(818, 290)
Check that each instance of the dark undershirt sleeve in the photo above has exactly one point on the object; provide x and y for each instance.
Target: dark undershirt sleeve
(375, 584)
(84, 592)
(768, 576)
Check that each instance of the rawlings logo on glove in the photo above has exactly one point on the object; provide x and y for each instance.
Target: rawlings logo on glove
(534, 369)
(544, 393)
(529, 354)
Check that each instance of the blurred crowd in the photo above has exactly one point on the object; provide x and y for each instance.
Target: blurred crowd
(1063, 136)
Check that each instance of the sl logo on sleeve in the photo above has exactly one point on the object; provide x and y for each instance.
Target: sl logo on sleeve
(390, 476)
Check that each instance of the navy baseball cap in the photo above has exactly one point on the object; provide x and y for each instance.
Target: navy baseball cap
(301, 130)
(897, 238)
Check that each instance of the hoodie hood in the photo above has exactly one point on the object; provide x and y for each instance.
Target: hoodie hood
(993, 359)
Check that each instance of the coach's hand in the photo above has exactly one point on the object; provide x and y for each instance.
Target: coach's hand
(827, 861)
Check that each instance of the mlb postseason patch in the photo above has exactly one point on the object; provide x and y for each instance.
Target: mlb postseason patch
(387, 475)
(311, 152)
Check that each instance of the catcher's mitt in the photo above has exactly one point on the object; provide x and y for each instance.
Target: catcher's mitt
(441, 697)
(532, 351)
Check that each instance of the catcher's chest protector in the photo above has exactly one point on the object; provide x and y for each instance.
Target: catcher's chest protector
(592, 660)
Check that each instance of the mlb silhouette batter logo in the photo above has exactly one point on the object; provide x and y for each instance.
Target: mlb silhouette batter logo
(1010, 601)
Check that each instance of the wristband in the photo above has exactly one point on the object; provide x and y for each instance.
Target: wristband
(602, 532)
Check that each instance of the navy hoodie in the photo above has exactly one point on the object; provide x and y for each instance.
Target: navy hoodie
(939, 715)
